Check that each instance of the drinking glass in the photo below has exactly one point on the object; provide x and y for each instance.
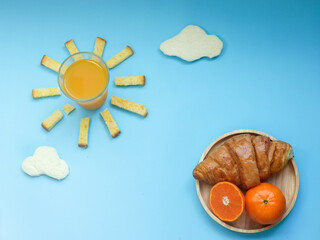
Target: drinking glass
(97, 101)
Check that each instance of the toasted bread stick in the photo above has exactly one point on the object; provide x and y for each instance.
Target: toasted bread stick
(45, 92)
(111, 124)
(83, 135)
(72, 49)
(68, 108)
(50, 63)
(51, 121)
(129, 106)
(99, 46)
(130, 81)
(120, 57)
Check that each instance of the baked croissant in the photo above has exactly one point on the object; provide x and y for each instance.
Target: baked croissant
(244, 160)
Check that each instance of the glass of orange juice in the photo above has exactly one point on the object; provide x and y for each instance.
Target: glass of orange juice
(84, 77)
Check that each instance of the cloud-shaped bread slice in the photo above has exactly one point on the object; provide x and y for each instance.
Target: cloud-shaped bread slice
(45, 160)
(191, 44)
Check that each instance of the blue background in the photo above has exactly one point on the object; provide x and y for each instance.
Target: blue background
(140, 185)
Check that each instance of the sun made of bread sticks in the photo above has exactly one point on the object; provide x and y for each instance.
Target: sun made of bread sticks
(113, 128)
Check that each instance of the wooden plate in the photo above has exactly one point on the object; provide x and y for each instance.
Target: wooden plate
(287, 180)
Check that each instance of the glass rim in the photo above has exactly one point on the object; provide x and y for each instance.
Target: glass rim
(71, 56)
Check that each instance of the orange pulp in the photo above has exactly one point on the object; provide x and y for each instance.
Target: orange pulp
(226, 201)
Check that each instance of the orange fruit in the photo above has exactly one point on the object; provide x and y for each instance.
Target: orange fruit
(226, 201)
(265, 203)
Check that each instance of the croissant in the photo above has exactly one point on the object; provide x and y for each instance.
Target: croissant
(244, 160)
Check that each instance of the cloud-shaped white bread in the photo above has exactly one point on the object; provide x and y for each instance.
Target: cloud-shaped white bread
(191, 44)
(45, 160)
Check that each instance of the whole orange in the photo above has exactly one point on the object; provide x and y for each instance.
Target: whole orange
(265, 203)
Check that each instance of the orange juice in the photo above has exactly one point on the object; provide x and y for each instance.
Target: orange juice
(85, 79)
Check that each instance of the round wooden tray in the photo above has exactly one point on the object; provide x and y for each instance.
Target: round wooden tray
(287, 180)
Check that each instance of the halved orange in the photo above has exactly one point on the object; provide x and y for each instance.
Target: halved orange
(226, 201)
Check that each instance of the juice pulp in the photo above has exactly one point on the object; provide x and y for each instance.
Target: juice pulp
(85, 79)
